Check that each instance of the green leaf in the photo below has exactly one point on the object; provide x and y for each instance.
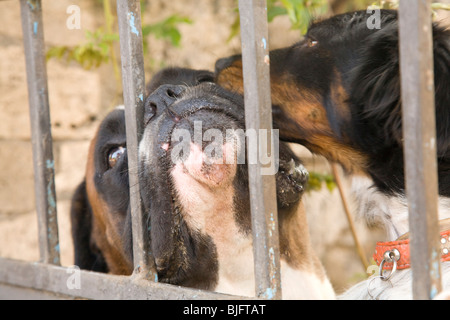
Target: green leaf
(111, 37)
(175, 37)
(167, 29)
(176, 19)
(299, 12)
(316, 181)
(274, 12)
(235, 28)
(56, 52)
(440, 6)
(290, 9)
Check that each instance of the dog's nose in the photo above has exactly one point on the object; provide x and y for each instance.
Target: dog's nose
(161, 99)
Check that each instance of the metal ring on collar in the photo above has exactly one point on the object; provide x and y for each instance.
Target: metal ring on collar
(389, 256)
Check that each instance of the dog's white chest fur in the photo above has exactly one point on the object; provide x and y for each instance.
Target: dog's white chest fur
(234, 247)
(389, 212)
(377, 209)
(295, 284)
(392, 214)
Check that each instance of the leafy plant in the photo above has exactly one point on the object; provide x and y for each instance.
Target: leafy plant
(300, 13)
(90, 54)
(166, 29)
(394, 4)
(316, 181)
(99, 45)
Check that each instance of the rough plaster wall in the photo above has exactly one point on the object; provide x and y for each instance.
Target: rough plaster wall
(79, 99)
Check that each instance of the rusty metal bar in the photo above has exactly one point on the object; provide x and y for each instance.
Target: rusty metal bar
(419, 132)
(133, 79)
(74, 282)
(258, 117)
(41, 137)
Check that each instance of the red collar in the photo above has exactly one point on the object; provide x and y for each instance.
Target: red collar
(402, 245)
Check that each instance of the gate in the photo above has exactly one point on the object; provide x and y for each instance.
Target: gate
(420, 153)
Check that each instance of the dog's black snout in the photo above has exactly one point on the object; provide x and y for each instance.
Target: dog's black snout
(160, 101)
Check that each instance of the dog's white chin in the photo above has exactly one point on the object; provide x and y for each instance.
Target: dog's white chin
(378, 209)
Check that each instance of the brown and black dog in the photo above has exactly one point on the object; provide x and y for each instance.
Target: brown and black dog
(198, 207)
(337, 92)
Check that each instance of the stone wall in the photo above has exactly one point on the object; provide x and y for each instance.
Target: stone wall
(80, 98)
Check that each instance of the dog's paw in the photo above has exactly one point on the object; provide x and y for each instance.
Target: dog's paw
(292, 179)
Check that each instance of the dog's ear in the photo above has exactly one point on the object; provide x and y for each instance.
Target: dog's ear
(441, 49)
(86, 253)
(376, 87)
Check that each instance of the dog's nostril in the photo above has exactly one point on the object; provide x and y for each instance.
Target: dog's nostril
(150, 112)
(152, 109)
(171, 93)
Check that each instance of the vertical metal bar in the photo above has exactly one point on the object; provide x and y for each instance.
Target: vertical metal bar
(419, 132)
(41, 138)
(133, 79)
(258, 116)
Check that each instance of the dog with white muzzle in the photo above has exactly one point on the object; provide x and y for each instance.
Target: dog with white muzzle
(195, 193)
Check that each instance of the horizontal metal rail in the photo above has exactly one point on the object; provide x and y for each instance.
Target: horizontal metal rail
(94, 285)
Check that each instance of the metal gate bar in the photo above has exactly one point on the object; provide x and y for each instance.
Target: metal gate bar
(258, 116)
(41, 137)
(133, 79)
(419, 132)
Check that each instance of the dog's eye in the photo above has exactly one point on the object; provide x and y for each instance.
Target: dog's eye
(312, 43)
(114, 156)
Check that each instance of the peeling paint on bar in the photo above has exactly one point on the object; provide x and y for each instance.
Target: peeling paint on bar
(51, 211)
(50, 163)
(32, 4)
(132, 26)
